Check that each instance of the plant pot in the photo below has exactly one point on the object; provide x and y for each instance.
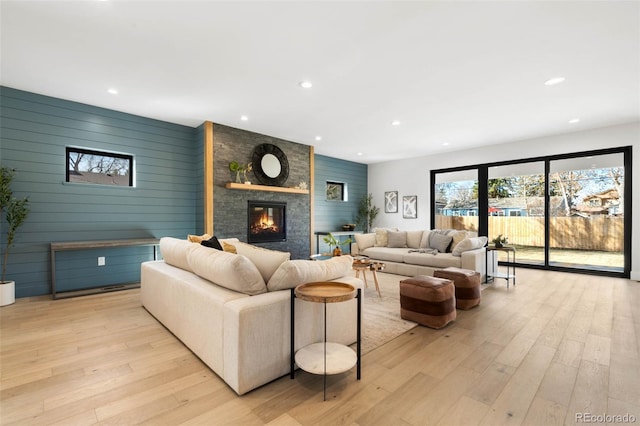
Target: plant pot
(337, 251)
(7, 293)
(499, 245)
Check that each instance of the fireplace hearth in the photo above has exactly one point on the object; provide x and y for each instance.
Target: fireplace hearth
(267, 222)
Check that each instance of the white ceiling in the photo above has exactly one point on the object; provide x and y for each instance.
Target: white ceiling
(463, 73)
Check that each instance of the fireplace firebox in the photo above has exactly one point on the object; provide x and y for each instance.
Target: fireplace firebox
(267, 222)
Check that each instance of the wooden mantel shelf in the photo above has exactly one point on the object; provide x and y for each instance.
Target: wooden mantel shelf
(252, 187)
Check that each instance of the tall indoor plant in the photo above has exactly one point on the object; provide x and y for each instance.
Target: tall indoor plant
(15, 212)
(367, 212)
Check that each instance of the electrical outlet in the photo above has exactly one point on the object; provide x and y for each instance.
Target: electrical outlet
(102, 261)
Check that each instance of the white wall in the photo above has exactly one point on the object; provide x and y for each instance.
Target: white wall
(411, 176)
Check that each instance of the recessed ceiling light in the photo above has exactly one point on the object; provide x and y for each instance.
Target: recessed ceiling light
(359, 154)
(306, 84)
(113, 91)
(244, 118)
(553, 81)
(395, 123)
(574, 120)
(445, 144)
(318, 138)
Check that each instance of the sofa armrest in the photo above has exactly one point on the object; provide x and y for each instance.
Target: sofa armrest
(476, 261)
(354, 249)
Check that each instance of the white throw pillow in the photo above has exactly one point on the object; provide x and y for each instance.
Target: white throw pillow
(424, 241)
(382, 238)
(365, 240)
(292, 273)
(267, 261)
(469, 244)
(174, 252)
(457, 237)
(232, 271)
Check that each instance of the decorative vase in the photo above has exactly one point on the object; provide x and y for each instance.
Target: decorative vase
(238, 180)
(337, 251)
(7, 293)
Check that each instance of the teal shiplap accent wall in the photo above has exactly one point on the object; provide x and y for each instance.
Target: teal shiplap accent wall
(331, 215)
(34, 131)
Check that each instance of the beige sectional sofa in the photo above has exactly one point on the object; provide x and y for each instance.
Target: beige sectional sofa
(421, 252)
(233, 310)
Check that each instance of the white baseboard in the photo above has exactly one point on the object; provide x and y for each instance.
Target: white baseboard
(635, 275)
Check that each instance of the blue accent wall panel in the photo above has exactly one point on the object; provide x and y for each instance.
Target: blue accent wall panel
(331, 215)
(34, 131)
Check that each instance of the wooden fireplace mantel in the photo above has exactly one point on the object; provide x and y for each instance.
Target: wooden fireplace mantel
(252, 187)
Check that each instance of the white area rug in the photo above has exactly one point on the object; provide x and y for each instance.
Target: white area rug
(381, 320)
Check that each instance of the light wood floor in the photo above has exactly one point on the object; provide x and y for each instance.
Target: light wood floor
(555, 346)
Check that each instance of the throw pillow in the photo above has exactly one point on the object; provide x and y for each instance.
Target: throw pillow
(229, 248)
(397, 239)
(292, 273)
(212, 243)
(457, 237)
(365, 241)
(198, 238)
(227, 270)
(469, 244)
(414, 238)
(267, 261)
(174, 252)
(439, 241)
(382, 238)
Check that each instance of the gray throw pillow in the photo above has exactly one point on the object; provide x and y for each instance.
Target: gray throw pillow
(439, 242)
(397, 239)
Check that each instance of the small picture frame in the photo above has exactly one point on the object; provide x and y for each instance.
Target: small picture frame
(391, 202)
(410, 207)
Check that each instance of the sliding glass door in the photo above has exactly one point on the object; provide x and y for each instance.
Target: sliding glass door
(566, 212)
(586, 221)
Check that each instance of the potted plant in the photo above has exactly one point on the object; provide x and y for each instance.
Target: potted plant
(238, 168)
(499, 241)
(15, 212)
(367, 212)
(333, 241)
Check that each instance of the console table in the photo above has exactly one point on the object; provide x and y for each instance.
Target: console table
(335, 234)
(88, 245)
(326, 357)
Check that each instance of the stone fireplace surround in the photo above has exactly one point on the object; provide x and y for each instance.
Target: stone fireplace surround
(230, 206)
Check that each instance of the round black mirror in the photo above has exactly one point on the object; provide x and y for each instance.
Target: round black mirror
(270, 165)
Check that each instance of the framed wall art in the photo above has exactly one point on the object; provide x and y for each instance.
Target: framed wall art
(410, 207)
(391, 202)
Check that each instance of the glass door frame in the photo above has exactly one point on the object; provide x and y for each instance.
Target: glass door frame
(483, 204)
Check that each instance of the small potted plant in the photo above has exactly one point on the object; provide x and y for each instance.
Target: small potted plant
(334, 242)
(238, 168)
(15, 212)
(499, 241)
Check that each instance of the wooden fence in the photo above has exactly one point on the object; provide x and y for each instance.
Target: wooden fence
(598, 233)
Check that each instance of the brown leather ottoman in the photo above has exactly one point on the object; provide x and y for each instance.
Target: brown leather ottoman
(429, 301)
(467, 284)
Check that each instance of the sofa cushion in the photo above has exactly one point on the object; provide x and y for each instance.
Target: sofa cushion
(396, 239)
(267, 261)
(469, 244)
(292, 273)
(227, 270)
(365, 241)
(440, 260)
(439, 241)
(385, 253)
(414, 238)
(174, 252)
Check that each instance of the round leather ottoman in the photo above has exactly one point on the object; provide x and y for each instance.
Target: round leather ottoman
(429, 301)
(467, 285)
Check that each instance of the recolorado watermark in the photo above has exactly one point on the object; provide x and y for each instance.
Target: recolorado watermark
(605, 418)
